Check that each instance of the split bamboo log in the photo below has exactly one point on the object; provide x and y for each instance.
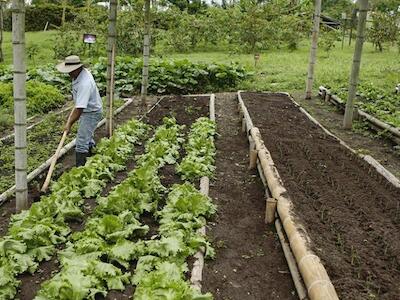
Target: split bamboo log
(32, 175)
(294, 271)
(313, 272)
(212, 107)
(393, 130)
(197, 271)
(243, 108)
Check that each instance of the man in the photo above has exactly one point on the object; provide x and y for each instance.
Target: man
(88, 106)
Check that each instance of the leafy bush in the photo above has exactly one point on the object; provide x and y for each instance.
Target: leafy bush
(170, 77)
(40, 97)
(36, 17)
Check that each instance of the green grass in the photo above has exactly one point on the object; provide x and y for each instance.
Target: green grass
(43, 40)
(282, 70)
(277, 70)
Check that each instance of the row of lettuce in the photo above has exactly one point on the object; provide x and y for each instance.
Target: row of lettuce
(380, 103)
(98, 259)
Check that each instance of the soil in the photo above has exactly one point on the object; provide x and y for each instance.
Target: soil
(365, 142)
(249, 261)
(351, 213)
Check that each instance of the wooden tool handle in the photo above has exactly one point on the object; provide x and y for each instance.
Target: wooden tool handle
(53, 162)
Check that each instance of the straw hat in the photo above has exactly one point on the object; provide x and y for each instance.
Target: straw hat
(70, 64)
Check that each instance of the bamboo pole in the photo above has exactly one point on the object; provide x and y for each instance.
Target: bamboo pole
(21, 166)
(1, 30)
(301, 292)
(111, 122)
(112, 36)
(313, 51)
(348, 115)
(146, 51)
(64, 8)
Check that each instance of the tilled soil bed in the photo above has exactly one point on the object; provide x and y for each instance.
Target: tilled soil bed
(249, 263)
(351, 213)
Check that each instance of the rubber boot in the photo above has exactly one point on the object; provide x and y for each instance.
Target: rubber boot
(81, 158)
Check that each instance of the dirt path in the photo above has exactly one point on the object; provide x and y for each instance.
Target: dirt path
(351, 213)
(249, 263)
(363, 141)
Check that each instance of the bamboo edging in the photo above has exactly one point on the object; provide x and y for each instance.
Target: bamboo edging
(11, 135)
(32, 175)
(316, 279)
(326, 95)
(197, 271)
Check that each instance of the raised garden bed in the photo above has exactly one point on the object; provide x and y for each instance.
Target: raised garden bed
(393, 133)
(349, 210)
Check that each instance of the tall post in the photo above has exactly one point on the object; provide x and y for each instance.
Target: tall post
(64, 9)
(112, 36)
(18, 40)
(1, 31)
(146, 51)
(355, 70)
(313, 51)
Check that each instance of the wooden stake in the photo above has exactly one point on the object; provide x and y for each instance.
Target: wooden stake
(313, 51)
(1, 31)
(348, 115)
(270, 210)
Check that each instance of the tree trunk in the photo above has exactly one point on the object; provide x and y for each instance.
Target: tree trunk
(18, 37)
(1, 31)
(348, 115)
(313, 51)
(146, 51)
(112, 36)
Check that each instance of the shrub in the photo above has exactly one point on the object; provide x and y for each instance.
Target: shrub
(40, 97)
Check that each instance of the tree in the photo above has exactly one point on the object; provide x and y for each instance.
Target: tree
(313, 51)
(355, 71)
(384, 29)
(18, 24)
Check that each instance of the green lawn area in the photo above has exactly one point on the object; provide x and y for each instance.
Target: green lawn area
(283, 70)
(43, 41)
(277, 70)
